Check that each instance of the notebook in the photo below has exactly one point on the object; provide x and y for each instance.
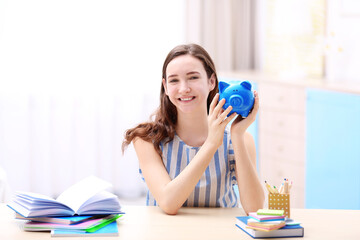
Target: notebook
(287, 231)
(110, 230)
(61, 220)
(93, 223)
(261, 218)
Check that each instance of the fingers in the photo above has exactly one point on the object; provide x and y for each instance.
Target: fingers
(213, 103)
(256, 103)
(223, 115)
(218, 114)
(218, 108)
(256, 106)
(229, 118)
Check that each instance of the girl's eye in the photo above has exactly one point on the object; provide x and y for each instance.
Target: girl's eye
(194, 77)
(173, 80)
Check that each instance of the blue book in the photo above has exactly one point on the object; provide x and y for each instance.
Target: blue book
(286, 231)
(60, 220)
(110, 230)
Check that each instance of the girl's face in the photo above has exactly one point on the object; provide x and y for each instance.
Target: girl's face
(187, 84)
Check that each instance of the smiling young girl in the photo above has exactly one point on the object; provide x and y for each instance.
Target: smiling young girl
(187, 156)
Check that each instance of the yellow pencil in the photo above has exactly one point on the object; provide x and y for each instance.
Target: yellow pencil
(269, 188)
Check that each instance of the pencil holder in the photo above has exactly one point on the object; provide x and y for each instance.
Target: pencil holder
(280, 201)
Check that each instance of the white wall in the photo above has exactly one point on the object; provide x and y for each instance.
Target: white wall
(73, 76)
(342, 41)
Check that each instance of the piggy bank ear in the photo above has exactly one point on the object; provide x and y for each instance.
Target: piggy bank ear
(246, 85)
(223, 86)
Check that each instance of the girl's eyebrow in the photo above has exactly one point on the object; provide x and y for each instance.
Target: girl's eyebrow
(189, 73)
(193, 72)
(173, 75)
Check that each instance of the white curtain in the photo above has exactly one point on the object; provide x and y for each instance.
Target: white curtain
(226, 29)
(74, 75)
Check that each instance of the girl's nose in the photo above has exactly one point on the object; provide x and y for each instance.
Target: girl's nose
(184, 87)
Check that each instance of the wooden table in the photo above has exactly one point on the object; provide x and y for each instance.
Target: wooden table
(141, 222)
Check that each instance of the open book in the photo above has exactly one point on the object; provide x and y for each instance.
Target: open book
(87, 197)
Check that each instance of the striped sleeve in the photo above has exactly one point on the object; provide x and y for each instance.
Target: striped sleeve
(232, 164)
(141, 175)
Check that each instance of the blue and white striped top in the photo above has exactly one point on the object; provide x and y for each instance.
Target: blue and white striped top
(215, 188)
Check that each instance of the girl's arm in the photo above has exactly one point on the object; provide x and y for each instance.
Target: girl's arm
(251, 192)
(171, 194)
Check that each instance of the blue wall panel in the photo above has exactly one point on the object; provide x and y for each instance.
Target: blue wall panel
(333, 150)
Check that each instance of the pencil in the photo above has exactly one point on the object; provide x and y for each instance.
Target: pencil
(281, 189)
(269, 187)
(286, 187)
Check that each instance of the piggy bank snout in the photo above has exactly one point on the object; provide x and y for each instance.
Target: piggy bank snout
(236, 101)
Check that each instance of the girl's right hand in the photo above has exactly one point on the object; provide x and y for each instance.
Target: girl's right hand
(217, 121)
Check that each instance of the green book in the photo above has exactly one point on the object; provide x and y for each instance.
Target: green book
(273, 212)
(102, 223)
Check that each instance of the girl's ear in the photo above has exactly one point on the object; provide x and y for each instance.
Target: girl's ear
(164, 85)
(212, 82)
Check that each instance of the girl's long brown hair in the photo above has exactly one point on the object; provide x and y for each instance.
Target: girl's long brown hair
(163, 125)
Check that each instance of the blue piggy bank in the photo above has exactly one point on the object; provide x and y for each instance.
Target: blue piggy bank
(238, 95)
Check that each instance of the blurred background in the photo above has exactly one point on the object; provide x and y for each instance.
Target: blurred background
(74, 75)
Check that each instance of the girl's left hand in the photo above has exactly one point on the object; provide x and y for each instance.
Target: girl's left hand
(240, 125)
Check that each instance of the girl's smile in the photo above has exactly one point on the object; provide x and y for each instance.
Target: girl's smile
(186, 99)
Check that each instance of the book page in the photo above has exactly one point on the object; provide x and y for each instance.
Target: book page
(36, 196)
(103, 201)
(80, 192)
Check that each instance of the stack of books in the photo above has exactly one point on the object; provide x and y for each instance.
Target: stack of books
(84, 209)
(97, 225)
(266, 223)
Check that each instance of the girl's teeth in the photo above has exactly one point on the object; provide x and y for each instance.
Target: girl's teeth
(185, 99)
